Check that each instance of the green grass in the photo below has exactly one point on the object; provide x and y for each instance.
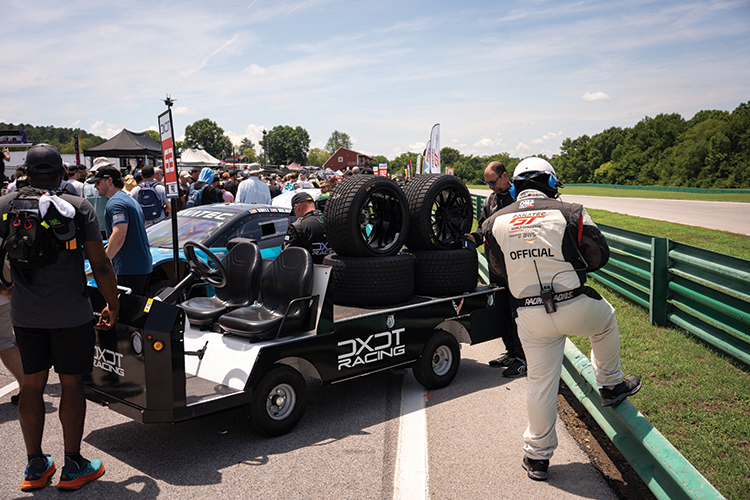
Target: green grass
(697, 398)
(636, 193)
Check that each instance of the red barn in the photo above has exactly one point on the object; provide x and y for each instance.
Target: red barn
(344, 158)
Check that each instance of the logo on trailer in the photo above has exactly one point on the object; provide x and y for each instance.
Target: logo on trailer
(457, 307)
(109, 361)
(376, 347)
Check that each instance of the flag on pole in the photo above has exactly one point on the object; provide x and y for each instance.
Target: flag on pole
(434, 158)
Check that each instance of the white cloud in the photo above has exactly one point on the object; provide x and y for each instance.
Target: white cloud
(252, 132)
(107, 131)
(552, 135)
(537, 141)
(522, 148)
(595, 96)
(182, 110)
(254, 70)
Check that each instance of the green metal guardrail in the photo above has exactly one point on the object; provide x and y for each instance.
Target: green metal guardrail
(703, 298)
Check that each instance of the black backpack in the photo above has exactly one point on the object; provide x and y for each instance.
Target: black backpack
(32, 241)
(149, 201)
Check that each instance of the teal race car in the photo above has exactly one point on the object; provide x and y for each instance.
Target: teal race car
(213, 226)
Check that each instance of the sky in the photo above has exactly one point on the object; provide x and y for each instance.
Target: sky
(499, 76)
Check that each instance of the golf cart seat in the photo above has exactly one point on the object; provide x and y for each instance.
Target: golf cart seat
(285, 289)
(243, 266)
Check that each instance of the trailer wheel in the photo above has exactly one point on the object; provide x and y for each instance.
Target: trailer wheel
(362, 281)
(279, 401)
(438, 364)
(440, 212)
(366, 216)
(445, 272)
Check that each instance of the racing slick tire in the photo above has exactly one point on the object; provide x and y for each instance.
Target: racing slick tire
(438, 364)
(363, 281)
(445, 272)
(279, 401)
(366, 216)
(440, 212)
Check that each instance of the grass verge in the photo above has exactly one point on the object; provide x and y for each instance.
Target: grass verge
(696, 397)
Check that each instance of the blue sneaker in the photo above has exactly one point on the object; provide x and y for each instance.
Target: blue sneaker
(35, 478)
(73, 477)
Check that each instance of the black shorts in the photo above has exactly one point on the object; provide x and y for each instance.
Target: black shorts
(69, 350)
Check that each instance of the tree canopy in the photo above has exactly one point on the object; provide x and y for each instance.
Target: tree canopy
(338, 140)
(317, 157)
(60, 137)
(287, 145)
(207, 135)
(711, 150)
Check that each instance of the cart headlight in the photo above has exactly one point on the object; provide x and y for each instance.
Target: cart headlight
(136, 343)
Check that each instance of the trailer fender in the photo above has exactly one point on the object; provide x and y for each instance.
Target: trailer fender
(456, 329)
(301, 365)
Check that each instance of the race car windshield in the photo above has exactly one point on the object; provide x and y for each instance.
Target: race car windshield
(188, 228)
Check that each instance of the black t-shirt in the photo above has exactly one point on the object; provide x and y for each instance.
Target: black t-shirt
(307, 232)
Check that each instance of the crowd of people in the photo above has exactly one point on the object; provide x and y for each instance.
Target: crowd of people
(537, 246)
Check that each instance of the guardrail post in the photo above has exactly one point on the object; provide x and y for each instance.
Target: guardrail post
(659, 281)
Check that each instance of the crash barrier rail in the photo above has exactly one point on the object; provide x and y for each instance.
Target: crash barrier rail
(668, 188)
(629, 272)
(703, 292)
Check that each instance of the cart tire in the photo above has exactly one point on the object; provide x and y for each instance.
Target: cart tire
(440, 212)
(362, 281)
(438, 364)
(445, 272)
(279, 401)
(366, 216)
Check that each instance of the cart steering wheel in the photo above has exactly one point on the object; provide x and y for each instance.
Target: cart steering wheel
(214, 277)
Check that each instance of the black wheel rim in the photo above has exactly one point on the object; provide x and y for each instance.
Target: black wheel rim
(381, 221)
(451, 216)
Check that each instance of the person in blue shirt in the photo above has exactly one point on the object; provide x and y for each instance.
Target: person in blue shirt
(128, 247)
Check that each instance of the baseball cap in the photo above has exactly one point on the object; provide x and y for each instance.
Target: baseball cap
(302, 197)
(104, 173)
(43, 159)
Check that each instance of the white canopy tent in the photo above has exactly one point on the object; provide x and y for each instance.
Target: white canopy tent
(198, 158)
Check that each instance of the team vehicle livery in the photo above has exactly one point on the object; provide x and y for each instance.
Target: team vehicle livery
(158, 365)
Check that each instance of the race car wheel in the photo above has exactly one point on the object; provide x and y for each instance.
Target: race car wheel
(362, 281)
(445, 272)
(440, 212)
(438, 364)
(366, 216)
(279, 401)
(214, 277)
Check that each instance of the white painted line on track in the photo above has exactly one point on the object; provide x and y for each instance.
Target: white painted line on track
(410, 479)
(8, 388)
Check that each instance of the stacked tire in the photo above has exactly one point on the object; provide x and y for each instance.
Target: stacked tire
(366, 222)
(440, 213)
(368, 219)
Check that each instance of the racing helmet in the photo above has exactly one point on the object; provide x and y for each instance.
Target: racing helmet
(535, 173)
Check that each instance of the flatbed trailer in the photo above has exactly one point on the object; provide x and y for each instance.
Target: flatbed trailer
(154, 367)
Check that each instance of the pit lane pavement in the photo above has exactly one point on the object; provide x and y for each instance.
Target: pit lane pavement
(468, 439)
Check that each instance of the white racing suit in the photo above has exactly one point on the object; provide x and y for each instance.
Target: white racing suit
(539, 242)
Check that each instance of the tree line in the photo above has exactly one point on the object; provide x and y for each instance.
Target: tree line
(710, 150)
(60, 137)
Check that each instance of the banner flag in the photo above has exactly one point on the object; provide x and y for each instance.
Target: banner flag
(434, 158)
(166, 134)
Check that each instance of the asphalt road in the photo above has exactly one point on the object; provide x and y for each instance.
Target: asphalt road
(724, 216)
(346, 446)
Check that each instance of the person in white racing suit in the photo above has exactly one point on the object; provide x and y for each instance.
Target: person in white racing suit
(545, 247)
